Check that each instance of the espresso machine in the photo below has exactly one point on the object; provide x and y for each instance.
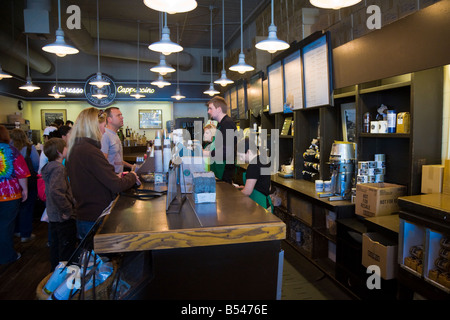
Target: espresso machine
(342, 167)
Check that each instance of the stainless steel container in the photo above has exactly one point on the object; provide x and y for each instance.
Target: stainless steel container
(342, 166)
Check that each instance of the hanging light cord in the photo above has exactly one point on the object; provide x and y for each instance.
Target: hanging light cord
(178, 67)
(210, 20)
(137, 71)
(223, 34)
(59, 13)
(28, 58)
(98, 41)
(242, 41)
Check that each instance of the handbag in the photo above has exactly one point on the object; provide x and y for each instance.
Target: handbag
(41, 188)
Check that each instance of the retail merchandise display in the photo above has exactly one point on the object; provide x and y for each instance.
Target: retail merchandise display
(386, 121)
(372, 171)
(440, 271)
(311, 161)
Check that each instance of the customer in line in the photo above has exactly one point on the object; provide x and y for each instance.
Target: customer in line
(24, 221)
(92, 178)
(111, 145)
(13, 189)
(223, 170)
(59, 202)
(102, 121)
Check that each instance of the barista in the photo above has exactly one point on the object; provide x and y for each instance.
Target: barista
(256, 183)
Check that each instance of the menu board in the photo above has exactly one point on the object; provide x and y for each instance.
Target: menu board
(241, 100)
(276, 96)
(316, 67)
(233, 103)
(226, 96)
(255, 94)
(293, 81)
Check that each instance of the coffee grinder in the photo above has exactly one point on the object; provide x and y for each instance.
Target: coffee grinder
(342, 167)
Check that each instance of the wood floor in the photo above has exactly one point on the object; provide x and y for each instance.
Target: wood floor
(19, 279)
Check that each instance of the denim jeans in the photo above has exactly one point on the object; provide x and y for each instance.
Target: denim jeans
(8, 214)
(24, 221)
(83, 228)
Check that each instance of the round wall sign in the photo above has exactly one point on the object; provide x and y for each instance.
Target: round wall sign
(108, 91)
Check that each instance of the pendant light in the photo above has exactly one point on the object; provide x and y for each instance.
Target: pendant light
(55, 94)
(165, 46)
(241, 66)
(177, 94)
(29, 86)
(98, 82)
(3, 74)
(162, 68)
(171, 6)
(99, 94)
(333, 4)
(160, 82)
(60, 47)
(223, 81)
(211, 91)
(272, 44)
(137, 95)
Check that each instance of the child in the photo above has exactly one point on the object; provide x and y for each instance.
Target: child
(60, 203)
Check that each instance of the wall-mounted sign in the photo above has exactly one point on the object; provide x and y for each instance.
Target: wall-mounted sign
(70, 90)
(109, 91)
(131, 90)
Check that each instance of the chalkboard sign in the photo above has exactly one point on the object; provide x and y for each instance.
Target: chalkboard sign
(241, 100)
(255, 96)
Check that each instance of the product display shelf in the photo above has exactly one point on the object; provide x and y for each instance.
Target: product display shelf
(424, 226)
(310, 229)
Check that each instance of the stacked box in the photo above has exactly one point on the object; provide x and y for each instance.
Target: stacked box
(372, 171)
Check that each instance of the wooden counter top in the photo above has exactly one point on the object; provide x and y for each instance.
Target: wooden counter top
(307, 188)
(136, 225)
(435, 206)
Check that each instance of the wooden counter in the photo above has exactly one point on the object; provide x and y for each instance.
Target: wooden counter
(307, 189)
(225, 250)
(136, 225)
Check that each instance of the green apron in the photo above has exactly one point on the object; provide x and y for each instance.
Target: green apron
(259, 197)
(217, 168)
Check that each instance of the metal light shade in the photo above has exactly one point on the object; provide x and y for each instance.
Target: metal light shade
(29, 86)
(171, 6)
(160, 83)
(241, 66)
(56, 95)
(178, 95)
(272, 44)
(99, 82)
(4, 75)
(333, 4)
(162, 68)
(137, 95)
(165, 45)
(211, 91)
(60, 47)
(99, 95)
(223, 81)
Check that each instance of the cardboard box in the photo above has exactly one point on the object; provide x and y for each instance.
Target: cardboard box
(379, 251)
(432, 178)
(446, 180)
(377, 199)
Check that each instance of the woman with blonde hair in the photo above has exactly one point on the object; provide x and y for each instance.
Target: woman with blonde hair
(92, 178)
(24, 221)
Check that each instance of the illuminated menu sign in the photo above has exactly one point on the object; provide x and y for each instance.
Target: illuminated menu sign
(275, 77)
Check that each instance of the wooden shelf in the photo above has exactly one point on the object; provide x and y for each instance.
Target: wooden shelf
(385, 135)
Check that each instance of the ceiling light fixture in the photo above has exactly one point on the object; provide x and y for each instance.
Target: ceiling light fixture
(137, 95)
(165, 45)
(272, 44)
(160, 82)
(333, 4)
(172, 6)
(60, 47)
(98, 82)
(211, 91)
(4, 75)
(29, 86)
(223, 81)
(162, 68)
(55, 92)
(177, 94)
(241, 66)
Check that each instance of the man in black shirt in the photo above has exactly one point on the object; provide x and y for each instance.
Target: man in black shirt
(222, 166)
